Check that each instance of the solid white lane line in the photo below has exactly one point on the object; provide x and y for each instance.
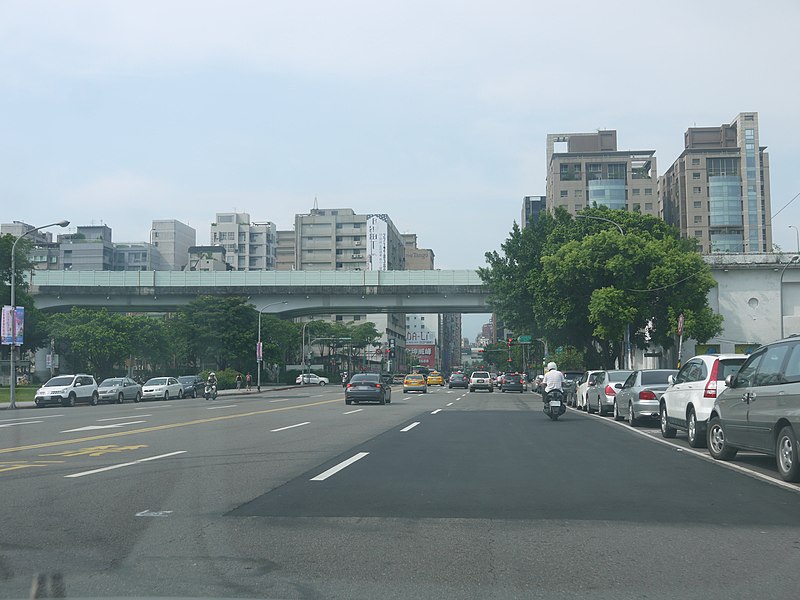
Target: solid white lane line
(112, 426)
(21, 423)
(707, 457)
(410, 427)
(438, 410)
(449, 404)
(350, 412)
(290, 427)
(342, 465)
(281, 400)
(122, 418)
(135, 462)
(152, 407)
(29, 418)
(218, 407)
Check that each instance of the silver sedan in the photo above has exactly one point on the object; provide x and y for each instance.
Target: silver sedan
(641, 394)
(119, 389)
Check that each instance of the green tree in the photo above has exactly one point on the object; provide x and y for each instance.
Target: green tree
(580, 282)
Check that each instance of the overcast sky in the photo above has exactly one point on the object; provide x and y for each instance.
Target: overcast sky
(433, 112)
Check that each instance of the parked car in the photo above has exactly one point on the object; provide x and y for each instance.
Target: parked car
(458, 380)
(513, 382)
(640, 395)
(368, 387)
(119, 389)
(311, 379)
(600, 397)
(398, 378)
(164, 388)
(192, 385)
(68, 390)
(571, 385)
(687, 402)
(415, 382)
(481, 380)
(435, 378)
(581, 387)
(538, 384)
(759, 411)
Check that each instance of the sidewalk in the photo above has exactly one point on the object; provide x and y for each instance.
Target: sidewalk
(232, 392)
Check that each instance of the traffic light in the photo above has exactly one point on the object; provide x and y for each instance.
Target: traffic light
(509, 342)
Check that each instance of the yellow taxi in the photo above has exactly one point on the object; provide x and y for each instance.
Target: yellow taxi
(435, 378)
(415, 382)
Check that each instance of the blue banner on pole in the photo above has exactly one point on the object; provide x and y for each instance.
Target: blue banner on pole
(17, 326)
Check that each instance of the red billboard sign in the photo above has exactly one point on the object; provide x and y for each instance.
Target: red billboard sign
(426, 354)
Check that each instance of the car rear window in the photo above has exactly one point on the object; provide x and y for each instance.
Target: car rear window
(480, 374)
(655, 377)
(365, 377)
(512, 379)
(414, 377)
(618, 375)
(729, 366)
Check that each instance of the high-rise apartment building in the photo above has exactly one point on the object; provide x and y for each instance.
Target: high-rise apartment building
(717, 191)
(417, 259)
(88, 249)
(173, 240)
(249, 246)
(532, 206)
(586, 170)
(285, 250)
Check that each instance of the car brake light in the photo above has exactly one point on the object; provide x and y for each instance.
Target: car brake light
(711, 386)
(647, 395)
(610, 391)
(377, 385)
(349, 385)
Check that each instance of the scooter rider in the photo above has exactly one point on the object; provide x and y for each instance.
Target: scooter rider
(553, 379)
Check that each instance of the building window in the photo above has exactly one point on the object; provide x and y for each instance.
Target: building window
(698, 204)
(648, 191)
(695, 161)
(636, 191)
(564, 193)
(696, 175)
(698, 219)
(578, 193)
(338, 265)
(648, 206)
(749, 117)
(697, 190)
(357, 318)
(749, 134)
(698, 233)
(579, 207)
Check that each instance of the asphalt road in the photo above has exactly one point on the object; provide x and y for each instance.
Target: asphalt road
(292, 494)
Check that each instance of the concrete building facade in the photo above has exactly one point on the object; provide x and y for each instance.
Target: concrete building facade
(417, 259)
(285, 250)
(249, 245)
(88, 249)
(718, 190)
(207, 258)
(173, 240)
(586, 170)
(532, 207)
(139, 256)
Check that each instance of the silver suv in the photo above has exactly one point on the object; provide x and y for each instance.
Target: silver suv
(68, 390)
(481, 380)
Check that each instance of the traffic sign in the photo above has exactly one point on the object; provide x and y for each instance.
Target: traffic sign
(525, 339)
(680, 324)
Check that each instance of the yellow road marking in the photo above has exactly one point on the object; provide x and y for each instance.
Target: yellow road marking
(14, 466)
(96, 450)
(105, 436)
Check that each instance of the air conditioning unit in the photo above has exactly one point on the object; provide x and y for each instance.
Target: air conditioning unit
(357, 242)
(357, 256)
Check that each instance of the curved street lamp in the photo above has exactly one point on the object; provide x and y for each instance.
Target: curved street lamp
(796, 235)
(627, 341)
(12, 364)
(792, 260)
(258, 348)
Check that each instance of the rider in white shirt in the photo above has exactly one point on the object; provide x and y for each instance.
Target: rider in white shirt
(553, 379)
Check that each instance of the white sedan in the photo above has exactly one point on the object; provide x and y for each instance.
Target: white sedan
(162, 388)
(312, 379)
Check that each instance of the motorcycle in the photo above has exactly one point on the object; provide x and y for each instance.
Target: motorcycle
(554, 405)
(211, 391)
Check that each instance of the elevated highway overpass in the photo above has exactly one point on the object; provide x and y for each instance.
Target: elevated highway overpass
(305, 292)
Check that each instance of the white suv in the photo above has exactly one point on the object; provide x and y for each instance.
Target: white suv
(68, 390)
(481, 380)
(687, 402)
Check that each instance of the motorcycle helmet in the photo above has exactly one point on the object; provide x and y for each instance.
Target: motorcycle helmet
(551, 366)
(212, 374)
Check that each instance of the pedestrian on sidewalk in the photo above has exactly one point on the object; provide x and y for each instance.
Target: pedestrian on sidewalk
(238, 381)
(249, 380)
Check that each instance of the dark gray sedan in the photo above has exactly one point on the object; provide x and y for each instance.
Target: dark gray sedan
(368, 387)
(640, 395)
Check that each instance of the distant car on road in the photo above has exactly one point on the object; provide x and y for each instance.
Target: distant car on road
(192, 385)
(571, 386)
(458, 380)
(118, 389)
(162, 388)
(435, 378)
(481, 380)
(370, 387)
(513, 383)
(68, 390)
(311, 379)
(415, 382)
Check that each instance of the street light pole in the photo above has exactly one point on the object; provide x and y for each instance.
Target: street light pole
(258, 347)
(797, 235)
(792, 260)
(11, 363)
(627, 337)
